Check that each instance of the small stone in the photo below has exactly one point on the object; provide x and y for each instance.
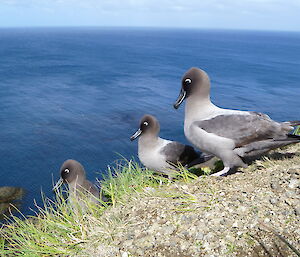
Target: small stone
(199, 236)
(219, 178)
(209, 236)
(124, 254)
(217, 221)
(188, 218)
(230, 238)
(290, 194)
(184, 246)
(206, 245)
(294, 183)
(273, 200)
(130, 236)
(185, 187)
(297, 211)
(154, 227)
(294, 171)
(286, 213)
(149, 189)
(168, 230)
(275, 185)
(241, 209)
(128, 243)
(184, 234)
(235, 224)
(297, 231)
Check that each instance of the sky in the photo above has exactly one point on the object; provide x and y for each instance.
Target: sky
(217, 14)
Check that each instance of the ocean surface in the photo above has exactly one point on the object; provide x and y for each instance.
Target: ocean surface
(80, 92)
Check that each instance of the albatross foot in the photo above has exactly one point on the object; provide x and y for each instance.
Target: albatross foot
(223, 172)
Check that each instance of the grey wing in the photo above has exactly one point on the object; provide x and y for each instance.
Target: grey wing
(244, 129)
(176, 152)
(90, 187)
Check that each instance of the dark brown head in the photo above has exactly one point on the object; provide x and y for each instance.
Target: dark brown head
(71, 171)
(194, 82)
(149, 125)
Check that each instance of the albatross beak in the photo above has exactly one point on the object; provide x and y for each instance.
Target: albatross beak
(58, 184)
(136, 134)
(180, 99)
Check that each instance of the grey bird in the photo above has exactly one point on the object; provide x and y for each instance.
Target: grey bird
(73, 174)
(231, 135)
(163, 155)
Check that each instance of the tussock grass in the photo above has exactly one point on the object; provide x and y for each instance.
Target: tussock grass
(297, 131)
(62, 229)
(128, 178)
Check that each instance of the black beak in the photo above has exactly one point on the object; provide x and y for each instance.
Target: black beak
(136, 134)
(180, 99)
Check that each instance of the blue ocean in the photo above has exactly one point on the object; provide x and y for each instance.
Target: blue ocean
(79, 92)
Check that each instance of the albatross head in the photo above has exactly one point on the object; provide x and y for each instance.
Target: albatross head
(194, 82)
(71, 172)
(149, 125)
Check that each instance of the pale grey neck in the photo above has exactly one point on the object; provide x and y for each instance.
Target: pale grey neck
(148, 140)
(78, 182)
(198, 107)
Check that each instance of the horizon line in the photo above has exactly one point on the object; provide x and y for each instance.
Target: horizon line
(144, 27)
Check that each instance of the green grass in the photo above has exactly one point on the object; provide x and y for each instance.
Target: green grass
(297, 131)
(61, 229)
(128, 178)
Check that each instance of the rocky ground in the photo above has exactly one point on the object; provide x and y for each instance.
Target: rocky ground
(248, 213)
(9, 197)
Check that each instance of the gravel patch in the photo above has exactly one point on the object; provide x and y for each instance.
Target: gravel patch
(238, 215)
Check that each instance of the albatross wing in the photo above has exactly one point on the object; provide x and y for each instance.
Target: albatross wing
(244, 129)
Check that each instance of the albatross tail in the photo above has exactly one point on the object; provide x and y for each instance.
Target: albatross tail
(294, 137)
(201, 159)
(293, 123)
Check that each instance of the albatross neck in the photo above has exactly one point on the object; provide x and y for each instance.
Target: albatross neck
(78, 182)
(198, 107)
(148, 139)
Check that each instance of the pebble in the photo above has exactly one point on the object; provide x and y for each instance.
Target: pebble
(235, 224)
(275, 186)
(128, 243)
(294, 183)
(199, 236)
(297, 211)
(149, 189)
(168, 230)
(124, 254)
(273, 201)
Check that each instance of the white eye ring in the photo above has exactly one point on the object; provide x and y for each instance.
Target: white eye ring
(188, 81)
(67, 170)
(146, 123)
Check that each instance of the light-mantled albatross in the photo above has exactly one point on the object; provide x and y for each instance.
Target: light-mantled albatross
(231, 135)
(163, 155)
(73, 174)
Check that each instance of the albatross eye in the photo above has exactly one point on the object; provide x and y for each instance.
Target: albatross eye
(66, 170)
(187, 81)
(145, 123)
